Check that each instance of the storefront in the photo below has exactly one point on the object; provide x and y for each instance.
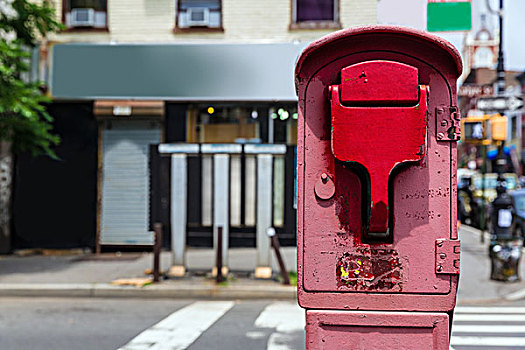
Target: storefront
(147, 94)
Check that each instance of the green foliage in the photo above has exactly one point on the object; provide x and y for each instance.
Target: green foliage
(23, 117)
(293, 278)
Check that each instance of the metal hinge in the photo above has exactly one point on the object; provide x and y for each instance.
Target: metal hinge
(447, 123)
(447, 256)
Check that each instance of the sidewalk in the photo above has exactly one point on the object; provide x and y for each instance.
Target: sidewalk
(475, 285)
(89, 275)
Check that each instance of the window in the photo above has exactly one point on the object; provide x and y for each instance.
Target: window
(225, 124)
(315, 14)
(199, 14)
(85, 14)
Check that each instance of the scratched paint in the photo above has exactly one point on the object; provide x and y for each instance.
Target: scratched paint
(370, 269)
(405, 143)
(430, 193)
(334, 231)
(422, 215)
(348, 202)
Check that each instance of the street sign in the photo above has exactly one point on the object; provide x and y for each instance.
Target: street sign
(476, 90)
(500, 104)
(448, 15)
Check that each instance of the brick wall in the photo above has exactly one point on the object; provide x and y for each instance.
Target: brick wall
(243, 20)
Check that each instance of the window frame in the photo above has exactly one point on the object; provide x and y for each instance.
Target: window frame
(321, 24)
(66, 7)
(197, 29)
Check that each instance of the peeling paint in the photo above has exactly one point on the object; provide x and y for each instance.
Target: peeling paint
(370, 269)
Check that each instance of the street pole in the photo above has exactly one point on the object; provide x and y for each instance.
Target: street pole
(500, 81)
(482, 218)
(504, 250)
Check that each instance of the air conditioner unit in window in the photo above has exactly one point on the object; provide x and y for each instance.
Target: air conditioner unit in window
(198, 16)
(82, 17)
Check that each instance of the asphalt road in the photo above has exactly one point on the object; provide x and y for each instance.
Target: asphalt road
(91, 323)
(67, 323)
(133, 324)
(483, 320)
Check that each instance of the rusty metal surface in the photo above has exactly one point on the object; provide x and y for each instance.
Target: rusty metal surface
(448, 123)
(324, 187)
(379, 33)
(395, 275)
(447, 256)
(376, 330)
(370, 269)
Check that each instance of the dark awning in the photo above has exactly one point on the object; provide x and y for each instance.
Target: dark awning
(175, 72)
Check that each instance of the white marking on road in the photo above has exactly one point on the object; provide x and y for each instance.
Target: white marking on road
(489, 310)
(255, 335)
(485, 317)
(286, 318)
(517, 295)
(180, 329)
(488, 341)
(487, 329)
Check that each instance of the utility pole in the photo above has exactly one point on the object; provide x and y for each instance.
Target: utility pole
(500, 81)
(505, 249)
(498, 90)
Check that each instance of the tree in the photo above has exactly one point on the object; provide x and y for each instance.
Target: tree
(24, 121)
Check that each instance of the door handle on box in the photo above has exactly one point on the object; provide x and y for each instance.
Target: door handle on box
(382, 125)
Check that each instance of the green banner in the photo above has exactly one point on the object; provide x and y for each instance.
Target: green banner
(448, 16)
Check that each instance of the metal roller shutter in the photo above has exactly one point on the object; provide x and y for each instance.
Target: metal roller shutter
(125, 183)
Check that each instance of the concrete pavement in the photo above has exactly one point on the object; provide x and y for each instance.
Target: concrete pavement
(474, 284)
(88, 275)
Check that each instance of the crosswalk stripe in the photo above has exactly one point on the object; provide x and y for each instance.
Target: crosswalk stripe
(285, 318)
(488, 314)
(488, 310)
(489, 317)
(180, 329)
(487, 341)
(487, 329)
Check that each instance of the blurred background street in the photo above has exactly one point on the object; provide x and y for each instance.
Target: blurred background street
(134, 131)
(62, 313)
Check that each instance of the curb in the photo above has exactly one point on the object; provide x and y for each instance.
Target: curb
(515, 296)
(104, 290)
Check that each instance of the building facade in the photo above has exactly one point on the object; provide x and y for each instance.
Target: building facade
(126, 75)
(480, 55)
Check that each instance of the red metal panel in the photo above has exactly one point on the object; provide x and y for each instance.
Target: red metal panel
(376, 330)
(447, 256)
(379, 138)
(400, 275)
(378, 83)
(430, 47)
